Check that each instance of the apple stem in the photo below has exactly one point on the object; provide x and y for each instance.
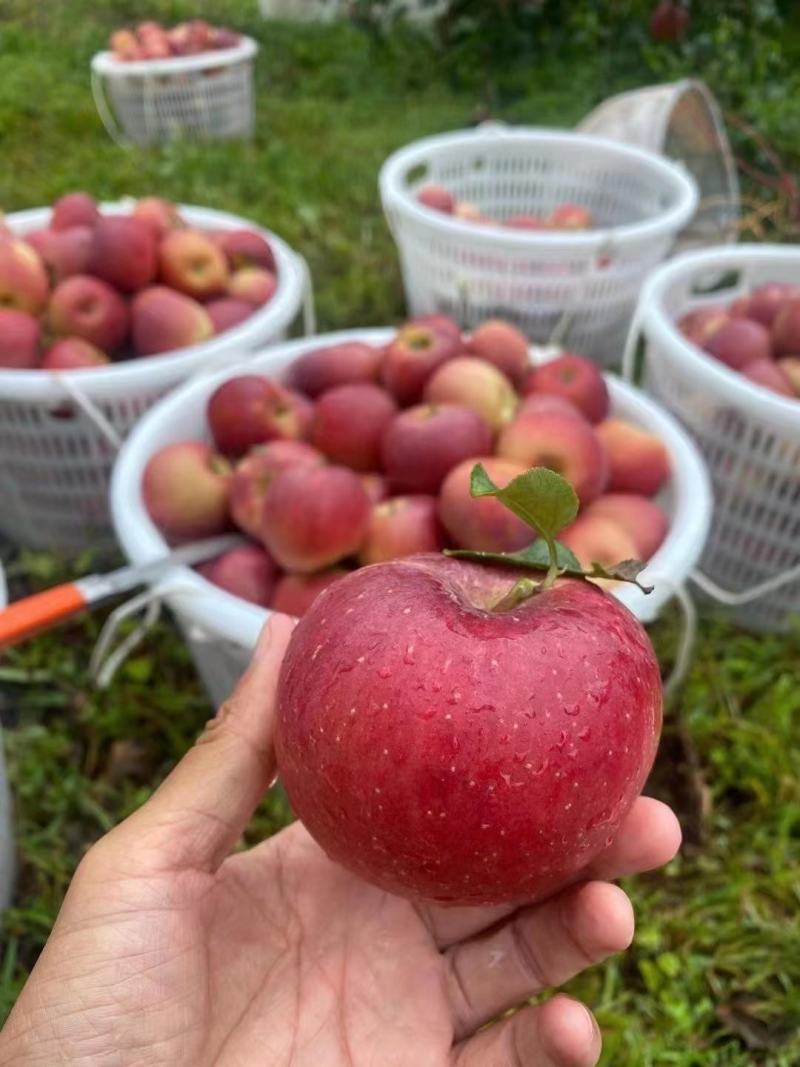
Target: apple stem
(553, 570)
(521, 590)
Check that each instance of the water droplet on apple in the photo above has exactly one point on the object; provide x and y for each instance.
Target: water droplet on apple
(408, 658)
(436, 686)
(426, 714)
(584, 733)
(343, 668)
(562, 740)
(455, 696)
(572, 709)
(384, 672)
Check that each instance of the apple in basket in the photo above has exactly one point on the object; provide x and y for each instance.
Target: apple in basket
(468, 733)
(757, 335)
(92, 276)
(334, 471)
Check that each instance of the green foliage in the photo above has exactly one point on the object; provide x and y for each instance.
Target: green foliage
(713, 979)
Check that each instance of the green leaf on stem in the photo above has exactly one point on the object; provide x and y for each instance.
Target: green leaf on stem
(536, 557)
(547, 503)
(540, 497)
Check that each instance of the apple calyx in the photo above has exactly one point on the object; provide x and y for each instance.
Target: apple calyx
(547, 503)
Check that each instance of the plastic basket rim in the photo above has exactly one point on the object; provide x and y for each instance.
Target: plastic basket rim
(395, 197)
(3, 587)
(231, 618)
(105, 63)
(153, 371)
(657, 326)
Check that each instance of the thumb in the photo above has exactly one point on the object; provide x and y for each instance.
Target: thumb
(199, 812)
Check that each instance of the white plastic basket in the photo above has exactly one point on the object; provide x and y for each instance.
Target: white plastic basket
(6, 834)
(222, 629)
(148, 101)
(749, 436)
(578, 289)
(682, 121)
(54, 471)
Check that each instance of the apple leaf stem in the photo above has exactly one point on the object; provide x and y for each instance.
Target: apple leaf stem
(547, 503)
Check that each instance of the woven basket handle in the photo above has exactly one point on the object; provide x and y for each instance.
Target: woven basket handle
(106, 114)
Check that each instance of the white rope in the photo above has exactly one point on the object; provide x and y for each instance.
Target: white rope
(686, 643)
(731, 599)
(309, 312)
(105, 662)
(562, 327)
(631, 344)
(90, 409)
(106, 115)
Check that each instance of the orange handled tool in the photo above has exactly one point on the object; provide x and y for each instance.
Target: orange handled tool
(32, 614)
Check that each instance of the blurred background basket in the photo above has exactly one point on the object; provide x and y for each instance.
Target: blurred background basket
(7, 863)
(749, 436)
(578, 288)
(682, 121)
(200, 97)
(221, 629)
(59, 432)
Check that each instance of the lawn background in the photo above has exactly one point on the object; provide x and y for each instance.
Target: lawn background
(713, 979)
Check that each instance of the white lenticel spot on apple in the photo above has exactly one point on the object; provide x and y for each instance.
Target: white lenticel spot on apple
(406, 611)
(352, 711)
(361, 659)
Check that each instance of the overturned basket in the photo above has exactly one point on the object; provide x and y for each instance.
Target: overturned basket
(578, 288)
(682, 121)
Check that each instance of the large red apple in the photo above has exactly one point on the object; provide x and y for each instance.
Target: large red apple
(447, 749)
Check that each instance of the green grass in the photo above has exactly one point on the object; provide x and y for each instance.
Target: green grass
(714, 977)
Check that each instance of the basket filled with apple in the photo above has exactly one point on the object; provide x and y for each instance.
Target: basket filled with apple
(551, 230)
(722, 352)
(103, 309)
(349, 449)
(193, 80)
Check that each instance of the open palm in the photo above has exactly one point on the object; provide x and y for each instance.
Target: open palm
(169, 950)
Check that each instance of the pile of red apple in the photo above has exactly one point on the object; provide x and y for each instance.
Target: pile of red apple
(364, 455)
(757, 335)
(150, 40)
(93, 288)
(563, 217)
